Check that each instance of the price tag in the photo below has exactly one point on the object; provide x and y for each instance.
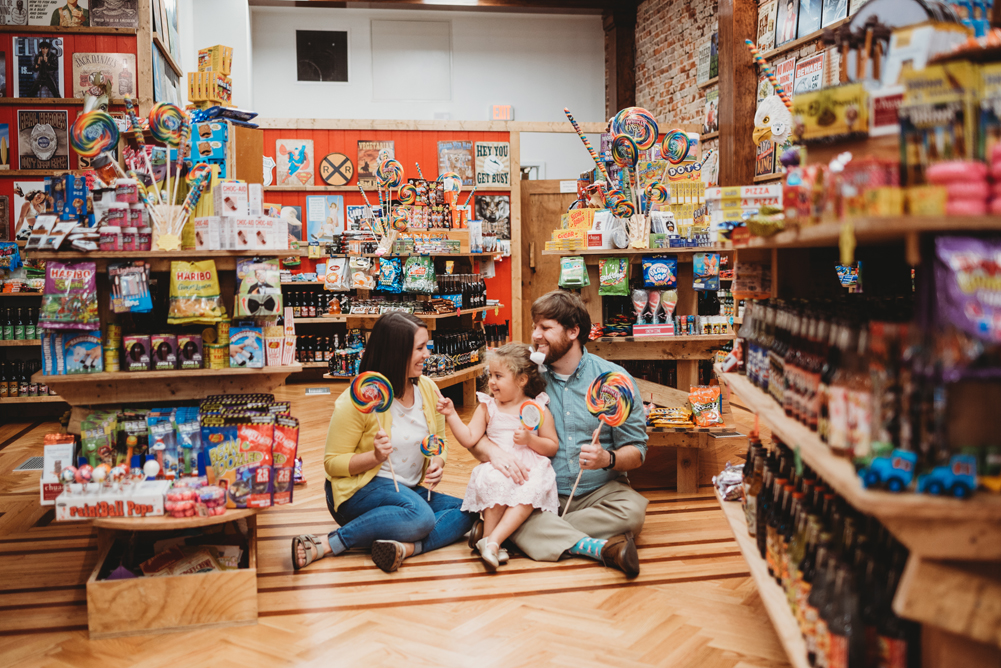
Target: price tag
(317, 390)
(798, 461)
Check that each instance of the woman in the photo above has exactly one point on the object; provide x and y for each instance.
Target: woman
(361, 494)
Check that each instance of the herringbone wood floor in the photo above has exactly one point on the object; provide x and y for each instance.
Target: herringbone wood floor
(693, 605)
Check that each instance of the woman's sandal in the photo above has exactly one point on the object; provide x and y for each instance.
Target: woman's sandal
(311, 546)
(488, 553)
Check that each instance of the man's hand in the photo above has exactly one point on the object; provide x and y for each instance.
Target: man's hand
(508, 464)
(593, 456)
(434, 472)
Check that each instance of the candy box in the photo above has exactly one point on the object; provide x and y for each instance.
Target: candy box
(286, 442)
(208, 233)
(230, 199)
(143, 499)
(137, 353)
(70, 299)
(246, 347)
(69, 196)
(189, 351)
(82, 352)
(240, 453)
(163, 349)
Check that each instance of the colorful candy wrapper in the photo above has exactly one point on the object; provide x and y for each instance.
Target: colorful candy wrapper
(194, 294)
(390, 275)
(614, 276)
(705, 401)
(532, 415)
(283, 452)
(573, 272)
(70, 299)
(419, 275)
(660, 271)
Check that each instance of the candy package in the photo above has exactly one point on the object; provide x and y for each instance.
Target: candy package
(418, 275)
(70, 299)
(259, 292)
(133, 436)
(283, 453)
(614, 276)
(189, 439)
(194, 294)
(163, 443)
(239, 451)
(573, 272)
(705, 271)
(246, 347)
(660, 271)
(361, 273)
(338, 275)
(706, 409)
(391, 275)
(130, 287)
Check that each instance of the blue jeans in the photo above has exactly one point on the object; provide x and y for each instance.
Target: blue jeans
(378, 512)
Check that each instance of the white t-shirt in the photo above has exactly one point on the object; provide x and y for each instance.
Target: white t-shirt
(410, 427)
(562, 377)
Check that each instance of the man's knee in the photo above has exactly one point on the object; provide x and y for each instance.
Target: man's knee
(628, 507)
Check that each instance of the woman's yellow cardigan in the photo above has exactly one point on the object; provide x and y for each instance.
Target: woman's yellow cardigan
(352, 432)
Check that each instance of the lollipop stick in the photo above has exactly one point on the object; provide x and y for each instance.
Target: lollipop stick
(392, 471)
(594, 441)
(420, 175)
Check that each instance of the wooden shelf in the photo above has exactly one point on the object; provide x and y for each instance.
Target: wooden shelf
(315, 365)
(354, 189)
(165, 52)
(708, 338)
(21, 342)
(768, 177)
(708, 84)
(158, 260)
(772, 595)
(711, 135)
(55, 30)
(796, 43)
(50, 101)
(168, 523)
(35, 172)
(33, 400)
(375, 316)
(147, 386)
(701, 347)
(930, 526)
(611, 252)
(442, 381)
(303, 283)
(21, 294)
(874, 230)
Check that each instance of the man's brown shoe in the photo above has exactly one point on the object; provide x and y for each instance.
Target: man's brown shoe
(475, 534)
(620, 552)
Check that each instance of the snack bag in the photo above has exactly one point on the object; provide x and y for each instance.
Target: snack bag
(70, 299)
(239, 451)
(614, 273)
(705, 270)
(660, 271)
(573, 272)
(194, 294)
(391, 275)
(419, 276)
(283, 453)
(706, 409)
(338, 275)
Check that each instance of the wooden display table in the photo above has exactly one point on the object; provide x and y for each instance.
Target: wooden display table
(150, 605)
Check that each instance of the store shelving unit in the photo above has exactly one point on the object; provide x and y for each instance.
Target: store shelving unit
(21, 343)
(466, 377)
(48, 399)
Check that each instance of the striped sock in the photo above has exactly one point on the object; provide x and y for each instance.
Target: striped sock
(588, 547)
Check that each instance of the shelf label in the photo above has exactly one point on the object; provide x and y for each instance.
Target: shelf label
(317, 390)
(568, 187)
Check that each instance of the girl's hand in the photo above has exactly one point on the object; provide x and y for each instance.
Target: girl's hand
(432, 476)
(445, 406)
(521, 436)
(383, 446)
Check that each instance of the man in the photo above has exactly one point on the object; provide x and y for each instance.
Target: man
(46, 67)
(70, 15)
(605, 511)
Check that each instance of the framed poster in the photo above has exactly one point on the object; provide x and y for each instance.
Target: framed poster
(38, 63)
(3, 74)
(321, 55)
(295, 162)
(766, 25)
(704, 56)
(809, 16)
(324, 218)
(785, 73)
(493, 163)
(495, 212)
(114, 13)
(4, 218)
(62, 13)
(336, 169)
(30, 200)
(710, 119)
(14, 12)
(4, 146)
(785, 21)
(456, 156)
(293, 216)
(43, 139)
(118, 68)
(834, 11)
(809, 74)
(370, 154)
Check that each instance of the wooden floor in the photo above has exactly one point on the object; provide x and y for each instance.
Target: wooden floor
(693, 605)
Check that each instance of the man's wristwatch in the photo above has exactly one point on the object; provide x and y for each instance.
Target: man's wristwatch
(611, 461)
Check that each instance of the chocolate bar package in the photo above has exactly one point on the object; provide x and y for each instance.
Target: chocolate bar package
(189, 351)
(240, 453)
(284, 451)
(137, 353)
(163, 348)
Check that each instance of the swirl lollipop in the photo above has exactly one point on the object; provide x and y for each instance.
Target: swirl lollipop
(531, 415)
(431, 446)
(408, 193)
(371, 393)
(625, 150)
(676, 146)
(165, 121)
(400, 223)
(93, 133)
(656, 193)
(638, 123)
(610, 399)
(393, 171)
(452, 181)
(624, 209)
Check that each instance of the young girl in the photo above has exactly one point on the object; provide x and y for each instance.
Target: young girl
(513, 379)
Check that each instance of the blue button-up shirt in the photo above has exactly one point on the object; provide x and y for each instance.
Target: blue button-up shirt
(575, 425)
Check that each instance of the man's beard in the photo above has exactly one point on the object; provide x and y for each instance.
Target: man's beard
(559, 349)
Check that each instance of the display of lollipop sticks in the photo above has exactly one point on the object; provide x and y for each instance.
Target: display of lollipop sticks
(767, 70)
(587, 145)
(141, 141)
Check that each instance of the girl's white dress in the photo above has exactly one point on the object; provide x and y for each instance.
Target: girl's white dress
(489, 487)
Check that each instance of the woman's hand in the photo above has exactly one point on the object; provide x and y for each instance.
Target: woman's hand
(521, 436)
(432, 476)
(445, 406)
(383, 446)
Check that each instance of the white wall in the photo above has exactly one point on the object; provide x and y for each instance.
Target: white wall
(204, 23)
(537, 63)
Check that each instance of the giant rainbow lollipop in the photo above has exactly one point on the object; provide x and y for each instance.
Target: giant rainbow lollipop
(371, 393)
(625, 153)
(452, 181)
(587, 145)
(610, 399)
(638, 123)
(93, 133)
(165, 121)
(431, 446)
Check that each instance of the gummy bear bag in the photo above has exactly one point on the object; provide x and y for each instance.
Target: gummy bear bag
(194, 294)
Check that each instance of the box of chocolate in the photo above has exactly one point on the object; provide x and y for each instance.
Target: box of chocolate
(137, 354)
(163, 352)
(189, 351)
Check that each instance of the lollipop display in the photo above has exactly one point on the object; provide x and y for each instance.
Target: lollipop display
(371, 392)
(676, 146)
(431, 446)
(452, 181)
(408, 194)
(609, 398)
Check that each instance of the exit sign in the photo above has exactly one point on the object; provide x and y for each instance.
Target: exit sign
(502, 112)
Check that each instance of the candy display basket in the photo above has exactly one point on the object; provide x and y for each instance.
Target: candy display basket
(152, 605)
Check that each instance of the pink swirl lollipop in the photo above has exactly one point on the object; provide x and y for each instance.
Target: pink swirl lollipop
(93, 133)
(625, 150)
(371, 392)
(452, 181)
(408, 193)
(165, 122)
(638, 123)
(610, 398)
